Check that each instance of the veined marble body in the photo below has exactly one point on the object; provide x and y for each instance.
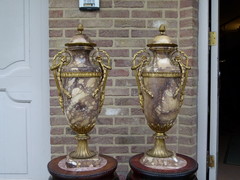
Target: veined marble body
(163, 108)
(82, 108)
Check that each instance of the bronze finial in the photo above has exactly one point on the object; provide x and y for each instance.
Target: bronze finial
(80, 28)
(162, 29)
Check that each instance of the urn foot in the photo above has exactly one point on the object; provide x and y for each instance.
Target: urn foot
(93, 162)
(173, 162)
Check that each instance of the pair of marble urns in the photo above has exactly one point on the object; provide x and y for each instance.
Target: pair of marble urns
(81, 72)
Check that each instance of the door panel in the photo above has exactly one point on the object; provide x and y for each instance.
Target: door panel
(24, 90)
(13, 134)
(14, 32)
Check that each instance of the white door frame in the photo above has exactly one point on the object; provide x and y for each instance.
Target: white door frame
(214, 93)
(203, 90)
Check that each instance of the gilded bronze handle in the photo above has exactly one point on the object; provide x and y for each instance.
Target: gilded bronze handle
(61, 59)
(178, 60)
(104, 68)
(145, 59)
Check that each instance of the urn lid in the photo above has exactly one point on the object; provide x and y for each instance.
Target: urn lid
(80, 39)
(162, 40)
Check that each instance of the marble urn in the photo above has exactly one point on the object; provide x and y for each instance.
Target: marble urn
(80, 73)
(161, 74)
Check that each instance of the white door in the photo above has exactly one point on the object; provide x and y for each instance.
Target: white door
(207, 87)
(24, 92)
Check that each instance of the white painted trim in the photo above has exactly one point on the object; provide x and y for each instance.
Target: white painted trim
(214, 95)
(202, 89)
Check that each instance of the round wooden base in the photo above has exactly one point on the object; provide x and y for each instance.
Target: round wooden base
(107, 172)
(141, 172)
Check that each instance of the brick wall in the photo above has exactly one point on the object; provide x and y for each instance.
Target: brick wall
(122, 27)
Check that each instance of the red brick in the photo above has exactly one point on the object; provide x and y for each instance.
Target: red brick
(53, 52)
(126, 101)
(57, 131)
(141, 130)
(71, 33)
(63, 4)
(114, 14)
(134, 92)
(125, 82)
(115, 149)
(187, 130)
(130, 140)
(128, 4)
(118, 72)
(162, 4)
(55, 33)
(122, 63)
(132, 43)
(60, 120)
(136, 111)
(63, 140)
(188, 3)
(188, 13)
(140, 149)
(112, 130)
(126, 23)
(97, 23)
(104, 43)
(118, 52)
(113, 33)
(117, 92)
(75, 13)
(56, 111)
(101, 140)
(187, 150)
(187, 120)
(188, 33)
(187, 42)
(144, 33)
(130, 120)
(146, 14)
(187, 140)
(55, 13)
(57, 149)
(104, 121)
(54, 102)
(63, 23)
(123, 168)
(171, 14)
(170, 23)
(190, 92)
(123, 159)
(106, 4)
(188, 23)
(107, 100)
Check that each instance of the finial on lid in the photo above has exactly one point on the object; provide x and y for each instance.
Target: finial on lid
(162, 29)
(80, 28)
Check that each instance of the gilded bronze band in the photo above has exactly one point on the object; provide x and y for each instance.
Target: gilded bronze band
(80, 74)
(162, 74)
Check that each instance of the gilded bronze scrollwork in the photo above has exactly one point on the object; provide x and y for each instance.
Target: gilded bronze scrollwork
(80, 74)
(161, 75)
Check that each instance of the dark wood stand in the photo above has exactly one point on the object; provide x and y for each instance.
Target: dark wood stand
(107, 172)
(141, 172)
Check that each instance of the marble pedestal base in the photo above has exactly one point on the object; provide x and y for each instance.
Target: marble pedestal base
(141, 172)
(107, 172)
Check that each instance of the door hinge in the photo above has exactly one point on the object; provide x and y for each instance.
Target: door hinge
(212, 39)
(211, 161)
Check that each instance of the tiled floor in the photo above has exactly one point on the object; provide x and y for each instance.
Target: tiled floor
(226, 171)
